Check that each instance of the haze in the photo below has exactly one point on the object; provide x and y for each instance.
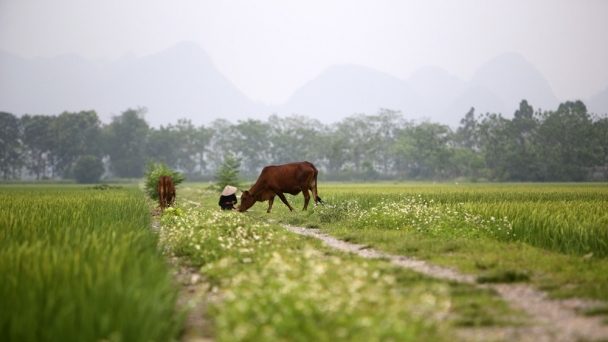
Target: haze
(269, 49)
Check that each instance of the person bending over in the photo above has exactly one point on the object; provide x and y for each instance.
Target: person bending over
(228, 198)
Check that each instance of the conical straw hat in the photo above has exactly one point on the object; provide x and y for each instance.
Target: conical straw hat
(228, 190)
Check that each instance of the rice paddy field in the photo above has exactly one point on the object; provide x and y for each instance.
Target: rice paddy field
(79, 264)
(83, 264)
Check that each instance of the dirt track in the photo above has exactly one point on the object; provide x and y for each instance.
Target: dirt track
(552, 320)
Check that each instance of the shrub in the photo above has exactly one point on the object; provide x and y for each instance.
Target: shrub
(227, 174)
(88, 169)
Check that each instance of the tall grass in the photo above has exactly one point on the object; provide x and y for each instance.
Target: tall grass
(81, 265)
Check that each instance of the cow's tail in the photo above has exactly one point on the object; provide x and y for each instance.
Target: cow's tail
(313, 186)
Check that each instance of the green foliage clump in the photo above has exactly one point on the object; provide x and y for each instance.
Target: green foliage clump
(228, 172)
(154, 172)
(88, 169)
(106, 187)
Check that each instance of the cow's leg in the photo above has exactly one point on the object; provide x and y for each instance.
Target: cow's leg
(171, 199)
(282, 197)
(306, 198)
(270, 202)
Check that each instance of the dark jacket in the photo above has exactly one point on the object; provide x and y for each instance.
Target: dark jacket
(226, 202)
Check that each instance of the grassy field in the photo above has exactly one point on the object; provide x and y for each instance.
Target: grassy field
(83, 264)
(276, 285)
(79, 264)
(554, 235)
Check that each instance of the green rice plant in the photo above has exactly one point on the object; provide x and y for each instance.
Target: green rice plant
(82, 265)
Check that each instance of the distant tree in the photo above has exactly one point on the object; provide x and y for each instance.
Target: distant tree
(250, 141)
(494, 145)
(125, 142)
(294, 138)
(200, 145)
(10, 145)
(389, 124)
(467, 134)
(39, 144)
(74, 135)
(163, 145)
(425, 150)
(335, 147)
(220, 144)
(521, 156)
(566, 143)
(88, 169)
(186, 151)
(363, 139)
(600, 135)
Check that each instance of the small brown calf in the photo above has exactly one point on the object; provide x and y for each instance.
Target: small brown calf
(166, 192)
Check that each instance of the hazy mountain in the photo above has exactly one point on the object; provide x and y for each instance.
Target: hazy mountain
(436, 88)
(431, 92)
(513, 78)
(179, 82)
(182, 82)
(344, 90)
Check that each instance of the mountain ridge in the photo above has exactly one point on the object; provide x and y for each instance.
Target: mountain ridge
(183, 82)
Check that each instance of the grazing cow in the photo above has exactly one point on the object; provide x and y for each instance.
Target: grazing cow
(166, 192)
(276, 180)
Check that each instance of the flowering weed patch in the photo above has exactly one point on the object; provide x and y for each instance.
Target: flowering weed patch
(206, 236)
(415, 214)
(277, 286)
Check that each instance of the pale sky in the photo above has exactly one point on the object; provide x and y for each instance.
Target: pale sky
(270, 48)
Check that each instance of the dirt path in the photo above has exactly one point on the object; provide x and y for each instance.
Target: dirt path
(552, 320)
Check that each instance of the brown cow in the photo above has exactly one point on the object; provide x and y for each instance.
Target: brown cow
(166, 192)
(276, 180)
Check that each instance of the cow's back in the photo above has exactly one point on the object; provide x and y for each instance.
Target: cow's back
(287, 177)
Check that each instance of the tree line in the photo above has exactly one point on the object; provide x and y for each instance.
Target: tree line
(567, 144)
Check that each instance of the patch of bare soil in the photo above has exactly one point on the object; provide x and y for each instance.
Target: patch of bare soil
(193, 298)
(551, 320)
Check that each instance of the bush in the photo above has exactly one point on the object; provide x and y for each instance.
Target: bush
(88, 169)
(153, 173)
(227, 174)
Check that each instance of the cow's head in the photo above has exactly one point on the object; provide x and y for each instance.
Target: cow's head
(247, 201)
